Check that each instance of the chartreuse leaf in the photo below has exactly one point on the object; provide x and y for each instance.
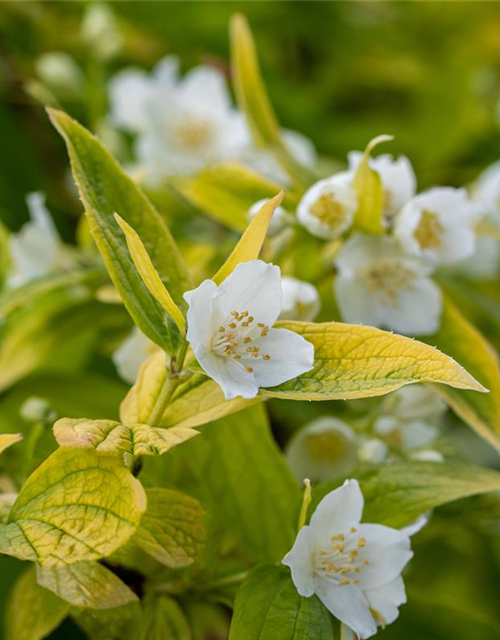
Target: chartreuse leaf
(458, 337)
(32, 612)
(150, 276)
(8, 439)
(250, 243)
(118, 623)
(86, 584)
(161, 618)
(227, 191)
(268, 607)
(173, 528)
(78, 505)
(254, 102)
(105, 188)
(196, 401)
(110, 436)
(5, 254)
(370, 192)
(352, 361)
(249, 491)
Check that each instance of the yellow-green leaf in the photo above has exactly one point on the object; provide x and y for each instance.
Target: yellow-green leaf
(370, 192)
(110, 436)
(195, 401)
(173, 528)
(162, 619)
(250, 243)
(32, 612)
(8, 439)
(352, 361)
(78, 505)
(226, 192)
(86, 584)
(149, 274)
(459, 338)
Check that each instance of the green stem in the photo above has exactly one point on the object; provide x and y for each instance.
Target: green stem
(172, 381)
(306, 501)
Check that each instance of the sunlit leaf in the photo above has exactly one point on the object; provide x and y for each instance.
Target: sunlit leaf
(8, 439)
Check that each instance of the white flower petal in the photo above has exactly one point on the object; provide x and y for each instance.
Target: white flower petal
(301, 562)
(290, 356)
(300, 147)
(416, 526)
(300, 300)
(338, 511)
(253, 286)
(199, 317)
(385, 600)
(232, 377)
(355, 302)
(131, 354)
(278, 219)
(129, 91)
(387, 551)
(349, 605)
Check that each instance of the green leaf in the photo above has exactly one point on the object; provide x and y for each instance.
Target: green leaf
(249, 490)
(254, 101)
(110, 436)
(5, 253)
(109, 624)
(352, 361)
(86, 584)
(32, 611)
(173, 528)
(195, 402)
(370, 191)
(161, 618)
(227, 191)
(459, 338)
(41, 316)
(8, 439)
(397, 494)
(105, 189)
(149, 274)
(78, 505)
(250, 243)
(268, 607)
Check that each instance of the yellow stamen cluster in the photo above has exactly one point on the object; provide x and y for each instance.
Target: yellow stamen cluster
(341, 559)
(235, 339)
(329, 210)
(388, 278)
(429, 232)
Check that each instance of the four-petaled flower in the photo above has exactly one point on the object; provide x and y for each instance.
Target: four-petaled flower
(354, 569)
(229, 330)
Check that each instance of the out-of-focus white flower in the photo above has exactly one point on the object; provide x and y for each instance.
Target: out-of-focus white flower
(183, 123)
(397, 176)
(413, 402)
(35, 249)
(34, 409)
(406, 435)
(485, 192)
(322, 450)
(131, 354)
(229, 330)
(300, 300)
(354, 569)
(60, 72)
(278, 220)
(372, 450)
(327, 208)
(438, 225)
(427, 455)
(100, 31)
(378, 285)
(484, 264)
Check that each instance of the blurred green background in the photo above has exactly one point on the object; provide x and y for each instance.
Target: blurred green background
(341, 73)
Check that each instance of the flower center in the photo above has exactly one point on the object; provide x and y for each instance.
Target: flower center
(329, 446)
(193, 134)
(236, 339)
(340, 560)
(429, 233)
(329, 210)
(388, 278)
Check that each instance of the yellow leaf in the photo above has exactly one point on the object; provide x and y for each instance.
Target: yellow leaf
(149, 275)
(370, 191)
(458, 337)
(352, 361)
(8, 439)
(250, 243)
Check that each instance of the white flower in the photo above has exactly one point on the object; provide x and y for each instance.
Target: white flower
(427, 455)
(60, 72)
(184, 123)
(373, 451)
(327, 208)
(397, 176)
(486, 191)
(278, 219)
(413, 402)
(35, 249)
(229, 329)
(412, 434)
(131, 354)
(378, 285)
(354, 569)
(438, 225)
(300, 300)
(322, 450)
